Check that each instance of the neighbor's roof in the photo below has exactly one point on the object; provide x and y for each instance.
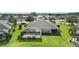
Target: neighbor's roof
(78, 22)
(41, 24)
(4, 27)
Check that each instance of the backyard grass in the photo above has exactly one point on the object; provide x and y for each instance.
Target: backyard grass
(47, 40)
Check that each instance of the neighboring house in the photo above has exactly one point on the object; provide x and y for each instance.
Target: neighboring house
(21, 19)
(4, 27)
(77, 29)
(4, 17)
(38, 27)
(4, 31)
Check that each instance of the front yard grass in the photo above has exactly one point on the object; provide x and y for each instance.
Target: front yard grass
(47, 40)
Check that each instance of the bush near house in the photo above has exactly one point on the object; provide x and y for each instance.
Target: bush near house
(5, 37)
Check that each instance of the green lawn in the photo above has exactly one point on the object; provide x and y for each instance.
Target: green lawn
(47, 40)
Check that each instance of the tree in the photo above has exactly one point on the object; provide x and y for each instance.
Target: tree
(30, 18)
(5, 37)
(72, 20)
(13, 20)
(72, 31)
(8, 37)
(20, 26)
(51, 18)
(34, 14)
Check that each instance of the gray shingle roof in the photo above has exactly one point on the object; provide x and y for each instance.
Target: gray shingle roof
(4, 27)
(42, 24)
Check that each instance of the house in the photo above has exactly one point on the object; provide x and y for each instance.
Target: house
(39, 27)
(4, 27)
(4, 17)
(77, 29)
(20, 19)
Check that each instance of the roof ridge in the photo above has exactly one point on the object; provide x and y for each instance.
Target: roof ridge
(33, 22)
(41, 23)
(50, 23)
